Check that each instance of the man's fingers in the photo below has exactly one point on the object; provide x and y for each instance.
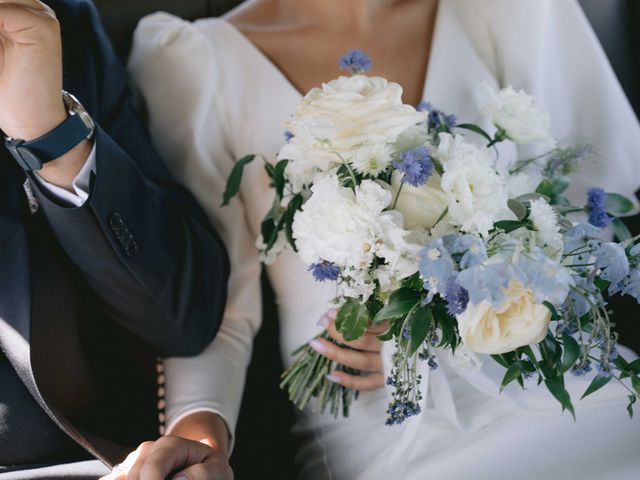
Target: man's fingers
(366, 361)
(372, 381)
(214, 469)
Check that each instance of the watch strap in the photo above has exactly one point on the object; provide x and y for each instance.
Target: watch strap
(52, 144)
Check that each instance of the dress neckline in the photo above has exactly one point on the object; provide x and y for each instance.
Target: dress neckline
(262, 57)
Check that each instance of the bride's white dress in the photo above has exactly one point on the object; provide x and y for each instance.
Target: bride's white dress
(214, 97)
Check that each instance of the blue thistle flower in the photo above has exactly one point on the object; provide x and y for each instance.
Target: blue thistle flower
(355, 60)
(416, 165)
(457, 298)
(597, 208)
(324, 271)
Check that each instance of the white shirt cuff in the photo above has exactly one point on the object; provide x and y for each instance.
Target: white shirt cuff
(173, 422)
(80, 183)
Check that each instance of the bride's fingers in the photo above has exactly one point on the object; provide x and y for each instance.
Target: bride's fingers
(365, 361)
(367, 342)
(372, 381)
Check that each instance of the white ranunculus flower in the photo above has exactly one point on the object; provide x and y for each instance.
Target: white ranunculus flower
(477, 194)
(545, 221)
(371, 159)
(516, 323)
(422, 206)
(515, 112)
(332, 122)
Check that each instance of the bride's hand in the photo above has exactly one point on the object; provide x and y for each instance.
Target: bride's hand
(366, 358)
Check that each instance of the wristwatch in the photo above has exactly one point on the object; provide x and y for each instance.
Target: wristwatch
(32, 155)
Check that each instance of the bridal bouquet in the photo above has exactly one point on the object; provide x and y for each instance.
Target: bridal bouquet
(419, 228)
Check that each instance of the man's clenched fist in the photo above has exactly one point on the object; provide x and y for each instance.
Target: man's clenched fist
(30, 69)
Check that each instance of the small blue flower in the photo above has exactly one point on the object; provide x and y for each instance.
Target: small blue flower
(487, 282)
(583, 296)
(548, 279)
(436, 266)
(597, 208)
(355, 60)
(629, 286)
(324, 271)
(580, 237)
(581, 369)
(416, 165)
(613, 262)
(288, 136)
(471, 248)
(436, 117)
(457, 298)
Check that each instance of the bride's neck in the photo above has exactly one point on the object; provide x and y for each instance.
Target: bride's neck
(358, 15)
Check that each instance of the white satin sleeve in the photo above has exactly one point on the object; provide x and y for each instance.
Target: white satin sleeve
(174, 65)
(548, 48)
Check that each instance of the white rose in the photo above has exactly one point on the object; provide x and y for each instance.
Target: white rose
(332, 122)
(422, 206)
(516, 323)
(516, 113)
(477, 194)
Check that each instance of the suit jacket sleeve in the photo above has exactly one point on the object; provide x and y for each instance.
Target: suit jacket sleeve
(141, 241)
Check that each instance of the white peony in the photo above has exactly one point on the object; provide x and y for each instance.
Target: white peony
(349, 229)
(515, 112)
(422, 206)
(516, 323)
(545, 221)
(477, 194)
(333, 122)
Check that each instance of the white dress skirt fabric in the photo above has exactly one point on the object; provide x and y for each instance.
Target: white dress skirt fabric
(213, 97)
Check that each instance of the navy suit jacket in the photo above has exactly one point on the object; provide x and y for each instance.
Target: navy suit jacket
(147, 259)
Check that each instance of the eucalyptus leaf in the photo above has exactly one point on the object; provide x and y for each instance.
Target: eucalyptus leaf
(620, 230)
(400, 302)
(618, 204)
(421, 322)
(352, 320)
(510, 225)
(476, 129)
(598, 382)
(530, 197)
(233, 182)
(517, 208)
(556, 387)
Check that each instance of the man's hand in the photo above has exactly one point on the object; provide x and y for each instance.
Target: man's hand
(196, 450)
(31, 82)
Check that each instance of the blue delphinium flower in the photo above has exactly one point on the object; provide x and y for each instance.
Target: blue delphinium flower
(581, 369)
(548, 279)
(355, 60)
(580, 237)
(597, 208)
(583, 296)
(288, 136)
(324, 271)
(613, 262)
(436, 266)
(487, 282)
(457, 298)
(629, 286)
(416, 165)
(471, 248)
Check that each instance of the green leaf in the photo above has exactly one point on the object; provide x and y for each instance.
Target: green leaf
(501, 360)
(513, 372)
(560, 185)
(618, 204)
(352, 320)
(545, 187)
(620, 230)
(400, 302)
(475, 129)
(233, 182)
(393, 330)
(571, 352)
(556, 387)
(635, 383)
(289, 215)
(632, 400)
(268, 229)
(517, 208)
(552, 309)
(635, 366)
(530, 197)
(597, 383)
(510, 225)
(278, 177)
(270, 169)
(421, 322)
